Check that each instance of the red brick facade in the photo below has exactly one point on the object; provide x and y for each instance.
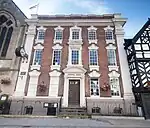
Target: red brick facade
(102, 59)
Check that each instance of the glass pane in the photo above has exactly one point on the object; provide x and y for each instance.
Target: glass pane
(2, 36)
(93, 57)
(7, 41)
(38, 57)
(58, 35)
(109, 35)
(56, 57)
(3, 19)
(92, 35)
(94, 87)
(41, 35)
(75, 57)
(111, 57)
(75, 34)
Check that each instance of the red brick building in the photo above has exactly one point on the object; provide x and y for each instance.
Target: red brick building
(77, 61)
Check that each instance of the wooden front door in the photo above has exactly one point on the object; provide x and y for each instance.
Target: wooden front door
(74, 93)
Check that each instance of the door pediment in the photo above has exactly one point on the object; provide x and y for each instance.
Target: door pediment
(74, 69)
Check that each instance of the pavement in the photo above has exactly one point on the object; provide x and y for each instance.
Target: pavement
(54, 122)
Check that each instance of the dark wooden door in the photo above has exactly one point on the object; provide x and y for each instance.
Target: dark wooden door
(74, 93)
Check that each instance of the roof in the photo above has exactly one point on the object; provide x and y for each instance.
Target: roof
(76, 16)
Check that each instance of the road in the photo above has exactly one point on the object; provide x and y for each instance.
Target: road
(71, 123)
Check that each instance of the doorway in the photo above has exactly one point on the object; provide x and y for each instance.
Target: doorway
(74, 93)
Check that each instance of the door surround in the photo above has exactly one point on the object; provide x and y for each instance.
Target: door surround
(74, 73)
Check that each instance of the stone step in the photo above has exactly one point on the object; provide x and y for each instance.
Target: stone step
(73, 111)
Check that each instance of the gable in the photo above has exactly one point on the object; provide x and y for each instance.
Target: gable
(8, 6)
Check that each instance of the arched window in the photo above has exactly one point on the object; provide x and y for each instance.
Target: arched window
(6, 29)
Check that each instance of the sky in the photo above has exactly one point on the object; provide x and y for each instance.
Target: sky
(137, 11)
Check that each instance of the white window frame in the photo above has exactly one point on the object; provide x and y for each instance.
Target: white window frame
(79, 41)
(36, 66)
(115, 75)
(95, 50)
(53, 57)
(117, 88)
(97, 85)
(94, 67)
(43, 29)
(78, 56)
(56, 47)
(112, 67)
(59, 28)
(109, 41)
(114, 59)
(92, 28)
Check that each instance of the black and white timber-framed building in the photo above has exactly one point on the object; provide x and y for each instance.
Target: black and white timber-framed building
(138, 56)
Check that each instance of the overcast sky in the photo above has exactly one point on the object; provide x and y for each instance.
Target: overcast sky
(137, 11)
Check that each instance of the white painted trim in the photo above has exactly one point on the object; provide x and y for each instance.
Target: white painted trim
(55, 73)
(38, 47)
(108, 28)
(110, 41)
(111, 46)
(57, 41)
(93, 46)
(53, 67)
(125, 74)
(66, 90)
(111, 68)
(92, 28)
(118, 85)
(39, 41)
(80, 32)
(74, 47)
(94, 74)
(114, 74)
(106, 98)
(41, 28)
(34, 73)
(35, 67)
(34, 56)
(93, 41)
(59, 28)
(57, 46)
(97, 96)
(41, 97)
(94, 67)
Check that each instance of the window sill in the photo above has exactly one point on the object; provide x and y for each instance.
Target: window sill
(39, 41)
(78, 41)
(110, 41)
(77, 65)
(57, 41)
(94, 97)
(92, 41)
(35, 67)
(94, 67)
(55, 67)
(111, 68)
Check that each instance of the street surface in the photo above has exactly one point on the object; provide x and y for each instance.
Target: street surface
(44, 122)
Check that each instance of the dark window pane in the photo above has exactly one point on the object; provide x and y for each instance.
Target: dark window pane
(2, 36)
(9, 22)
(7, 41)
(3, 19)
